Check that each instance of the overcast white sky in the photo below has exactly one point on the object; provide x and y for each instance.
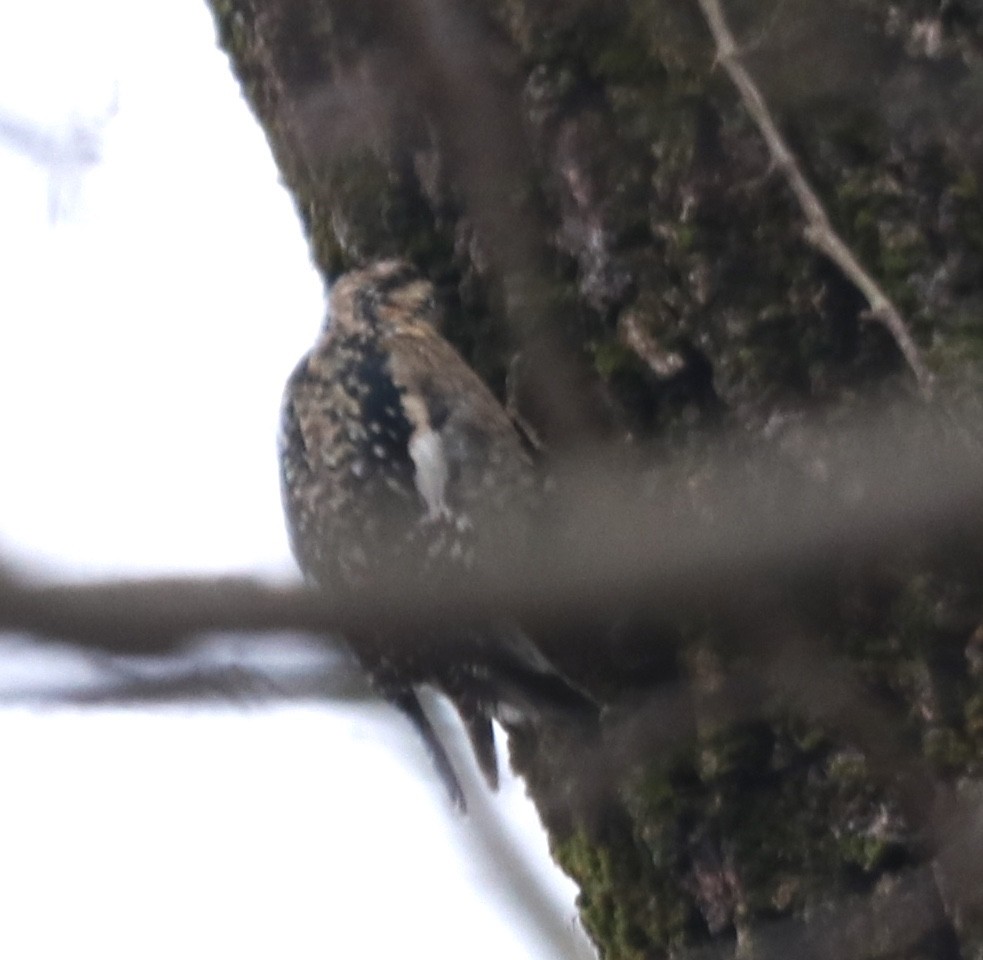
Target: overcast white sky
(144, 340)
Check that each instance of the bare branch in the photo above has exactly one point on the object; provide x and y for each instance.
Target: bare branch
(819, 231)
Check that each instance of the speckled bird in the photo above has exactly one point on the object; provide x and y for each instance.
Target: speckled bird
(395, 455)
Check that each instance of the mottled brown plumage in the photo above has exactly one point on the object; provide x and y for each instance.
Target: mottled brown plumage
(395, 455)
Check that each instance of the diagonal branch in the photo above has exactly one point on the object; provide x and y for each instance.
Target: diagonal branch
(819, 231)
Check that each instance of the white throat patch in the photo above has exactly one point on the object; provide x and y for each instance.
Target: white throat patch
(427, 453)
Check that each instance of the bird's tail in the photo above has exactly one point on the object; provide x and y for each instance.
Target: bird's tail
(409, 703)
(512, 682)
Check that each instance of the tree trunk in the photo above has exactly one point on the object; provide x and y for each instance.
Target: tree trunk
(631, 261)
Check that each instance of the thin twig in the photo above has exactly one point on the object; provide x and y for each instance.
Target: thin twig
(819, 231)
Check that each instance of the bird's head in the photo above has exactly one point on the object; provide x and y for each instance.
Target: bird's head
(386, 294)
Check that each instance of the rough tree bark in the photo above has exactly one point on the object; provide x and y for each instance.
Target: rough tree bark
(626, 261)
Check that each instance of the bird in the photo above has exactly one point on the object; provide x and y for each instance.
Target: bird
(396, 456)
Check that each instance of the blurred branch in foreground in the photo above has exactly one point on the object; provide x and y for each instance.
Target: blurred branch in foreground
(656, 542)
(213, 669)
